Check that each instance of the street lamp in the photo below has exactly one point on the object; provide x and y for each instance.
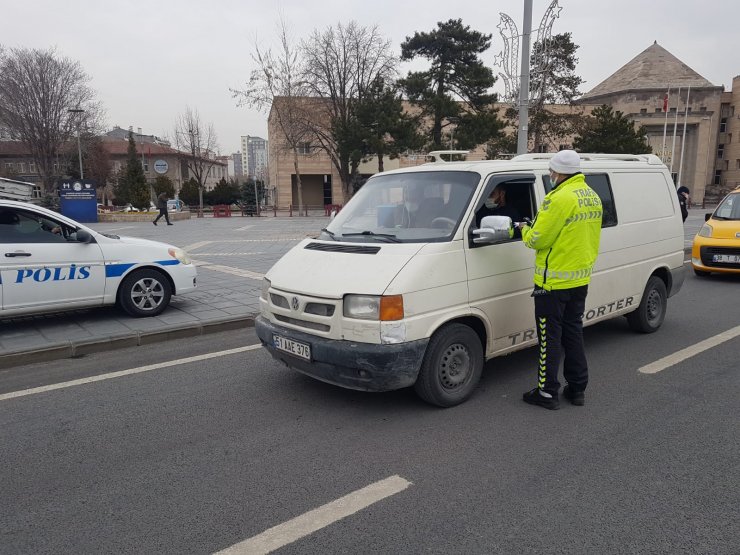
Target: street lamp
(79, 147)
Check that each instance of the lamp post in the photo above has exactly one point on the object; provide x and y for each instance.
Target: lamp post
(79, 111)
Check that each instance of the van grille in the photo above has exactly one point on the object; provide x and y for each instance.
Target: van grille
(302, 323)
(351, 249)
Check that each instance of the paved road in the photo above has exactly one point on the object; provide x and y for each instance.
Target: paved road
(199, 456)
(232, 255)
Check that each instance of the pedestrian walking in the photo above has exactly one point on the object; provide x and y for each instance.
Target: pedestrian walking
(162, 205)
(565, 235)
(683, 201)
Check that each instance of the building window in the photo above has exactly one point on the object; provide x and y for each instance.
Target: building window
(643, 110)
(702, 108)
(658, 110)
(563, 147)
(9, 167)
(145, 165)
(720, 151)
(737, 164)
(727, 165)
(688, 110)
(21, 167)
(729, 138)
(672, 110)
(32, 167)
(723, 125)
(717, 177)
(304, 148)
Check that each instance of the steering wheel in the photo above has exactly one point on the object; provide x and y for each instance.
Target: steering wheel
(443, 223)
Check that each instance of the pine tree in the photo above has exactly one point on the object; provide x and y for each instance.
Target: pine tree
(453, 93)
(132, 186)
(607, 131)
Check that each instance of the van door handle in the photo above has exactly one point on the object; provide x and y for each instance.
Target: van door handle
(17, 253)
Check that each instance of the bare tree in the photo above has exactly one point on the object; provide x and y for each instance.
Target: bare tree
(38, 88)
(276, 84)
(341, 64)
(199, 144)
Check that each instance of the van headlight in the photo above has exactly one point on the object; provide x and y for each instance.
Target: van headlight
(705, 231)
(374, 307)
(180, 255)
(265, 288)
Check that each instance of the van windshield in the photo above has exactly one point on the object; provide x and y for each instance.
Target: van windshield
(411, 207)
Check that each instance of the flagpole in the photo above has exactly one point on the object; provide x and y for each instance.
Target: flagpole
(683, 138)
(675, 124)
(665, 123)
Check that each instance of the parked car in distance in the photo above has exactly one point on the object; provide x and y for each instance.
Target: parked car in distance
(52, 263)
(175, 205)
(716, 247)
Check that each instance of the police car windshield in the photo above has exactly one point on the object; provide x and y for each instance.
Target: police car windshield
(408, 207)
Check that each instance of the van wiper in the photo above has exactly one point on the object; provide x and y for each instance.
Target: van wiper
(329, 233)
(389, 236)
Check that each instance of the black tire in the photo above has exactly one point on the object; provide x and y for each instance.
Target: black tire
(452, 366)
(650, 314)
(701, 273)
(144, 293)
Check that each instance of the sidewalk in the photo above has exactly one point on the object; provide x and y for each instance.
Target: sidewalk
(232, 255)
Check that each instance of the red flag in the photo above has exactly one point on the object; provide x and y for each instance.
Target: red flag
(665, 102)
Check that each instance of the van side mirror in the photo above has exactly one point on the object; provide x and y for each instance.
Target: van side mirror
(494, 229)
(707, 216)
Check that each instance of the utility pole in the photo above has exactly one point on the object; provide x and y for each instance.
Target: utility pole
(522, 139)
(78, 111)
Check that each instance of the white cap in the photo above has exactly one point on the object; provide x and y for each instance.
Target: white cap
(566, 162)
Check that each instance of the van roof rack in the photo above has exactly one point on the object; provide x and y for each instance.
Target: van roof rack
(591, 156)
(436, 155)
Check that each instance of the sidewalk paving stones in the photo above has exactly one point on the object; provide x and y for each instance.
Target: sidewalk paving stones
(232, 255)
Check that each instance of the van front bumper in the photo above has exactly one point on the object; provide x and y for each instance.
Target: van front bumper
(362, 366)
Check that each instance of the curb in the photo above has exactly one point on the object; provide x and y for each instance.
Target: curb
(74, 349)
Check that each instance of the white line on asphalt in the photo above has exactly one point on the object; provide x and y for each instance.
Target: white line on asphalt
(112, 375)
(230, 253)
(688, 352)
(197, 245)
(244, 228)
(228, 270)
(301, 526)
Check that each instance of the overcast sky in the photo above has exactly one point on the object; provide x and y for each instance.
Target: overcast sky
(148, 60)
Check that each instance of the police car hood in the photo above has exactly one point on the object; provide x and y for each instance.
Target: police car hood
(329, 269)
(138, 241)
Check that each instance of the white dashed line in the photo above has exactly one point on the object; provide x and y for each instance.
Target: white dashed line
(688, 352)
(112, 375)
(318, 518)
(228, 270)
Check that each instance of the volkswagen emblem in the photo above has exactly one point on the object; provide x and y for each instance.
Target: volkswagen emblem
(295, 303)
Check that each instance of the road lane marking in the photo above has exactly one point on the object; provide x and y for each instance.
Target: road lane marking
(316, 519)
(688, 352)
(228, 270)
(197, 245)
(244, 228)
(121, 373)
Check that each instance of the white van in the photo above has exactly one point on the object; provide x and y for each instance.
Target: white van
(393, 294)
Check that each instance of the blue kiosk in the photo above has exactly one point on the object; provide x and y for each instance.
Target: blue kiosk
(78, 200)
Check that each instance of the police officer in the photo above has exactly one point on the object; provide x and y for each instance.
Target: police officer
(565, 235)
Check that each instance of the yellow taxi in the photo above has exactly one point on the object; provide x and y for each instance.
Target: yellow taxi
(716, 247)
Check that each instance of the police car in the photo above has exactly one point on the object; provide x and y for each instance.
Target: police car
(51, 263)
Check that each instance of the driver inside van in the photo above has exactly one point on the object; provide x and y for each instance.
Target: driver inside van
(420, 210)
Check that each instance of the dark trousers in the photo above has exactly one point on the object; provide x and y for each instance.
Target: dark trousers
(559, 315)
(162, 212)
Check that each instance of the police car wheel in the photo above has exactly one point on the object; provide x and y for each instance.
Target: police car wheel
(452, 366)
(650, 314)
(144, 293)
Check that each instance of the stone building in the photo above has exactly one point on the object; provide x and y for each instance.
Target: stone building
(707, 158)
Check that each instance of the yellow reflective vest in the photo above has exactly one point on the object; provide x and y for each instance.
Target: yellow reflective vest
(565, 233)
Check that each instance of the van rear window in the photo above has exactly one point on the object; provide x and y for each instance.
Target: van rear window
(599, 182)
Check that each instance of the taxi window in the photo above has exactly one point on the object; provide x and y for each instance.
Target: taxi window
(18, 226)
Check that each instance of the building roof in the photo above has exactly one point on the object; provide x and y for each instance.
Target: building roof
(653, 68)
(118, 147)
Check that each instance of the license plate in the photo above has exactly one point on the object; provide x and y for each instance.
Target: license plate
(726, 258)
(302, 350)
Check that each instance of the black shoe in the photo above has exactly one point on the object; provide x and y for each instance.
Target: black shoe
(170, 224)
(577, 398)
(534, 397)
(155, 223)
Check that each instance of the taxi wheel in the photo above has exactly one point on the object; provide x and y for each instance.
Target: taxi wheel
(650, 314)
(452, 366)
(144, 293)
